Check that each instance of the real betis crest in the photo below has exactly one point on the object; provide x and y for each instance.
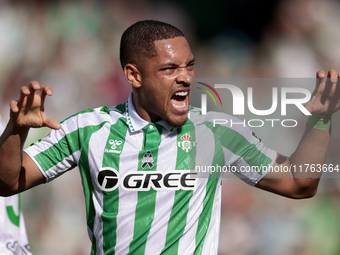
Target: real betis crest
(186, 144)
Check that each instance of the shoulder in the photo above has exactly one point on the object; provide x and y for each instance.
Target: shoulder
(217, 119)
(221, 124)
(96, 116)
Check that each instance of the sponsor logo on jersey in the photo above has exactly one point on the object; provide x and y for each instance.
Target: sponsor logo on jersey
(186, 144)
(108, 179)
(113, 145)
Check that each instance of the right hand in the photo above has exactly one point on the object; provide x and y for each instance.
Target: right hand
(29, 110)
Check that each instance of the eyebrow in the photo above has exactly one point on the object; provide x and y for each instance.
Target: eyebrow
(191, 61)
(169, 64)
(175, 65)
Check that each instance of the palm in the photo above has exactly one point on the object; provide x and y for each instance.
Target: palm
(32, 116)
(326, 96)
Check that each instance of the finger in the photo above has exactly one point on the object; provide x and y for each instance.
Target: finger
(336, 94)
(318, 91)
(52, 124)
(34, 86)
(320, 74)
(320, 82)
(24, 92)
(332, 79)
(45, 90)
(332, 75)
(330, 86)
(335, 100)
(14, 106)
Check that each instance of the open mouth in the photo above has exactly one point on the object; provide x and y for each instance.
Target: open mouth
(178, 100)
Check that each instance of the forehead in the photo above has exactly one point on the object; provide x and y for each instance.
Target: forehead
(173, 50)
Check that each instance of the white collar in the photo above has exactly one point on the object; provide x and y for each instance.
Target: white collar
(136, 123)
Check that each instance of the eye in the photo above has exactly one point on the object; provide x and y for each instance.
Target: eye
(169, 70)
(190, 66)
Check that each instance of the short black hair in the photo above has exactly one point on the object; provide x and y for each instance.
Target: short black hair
(137, 41)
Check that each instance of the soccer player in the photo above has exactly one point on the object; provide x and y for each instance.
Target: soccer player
(135, 158)
(13, 237)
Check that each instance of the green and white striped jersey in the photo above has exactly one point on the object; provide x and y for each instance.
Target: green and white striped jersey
(140, 195)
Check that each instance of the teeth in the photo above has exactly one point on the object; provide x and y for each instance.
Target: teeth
(182, 93)
(180, 106)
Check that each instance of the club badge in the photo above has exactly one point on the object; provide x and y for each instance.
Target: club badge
(186, 144)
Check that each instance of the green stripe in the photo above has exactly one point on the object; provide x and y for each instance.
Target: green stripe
(145, 209)
(60, 150)
(85, 173)
(79, 113)
(205, 216)
(239, 145)
(121, 108)
(111, 199)
(179, 212)
(208, 202)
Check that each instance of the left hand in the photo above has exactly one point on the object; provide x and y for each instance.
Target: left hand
(326, 96)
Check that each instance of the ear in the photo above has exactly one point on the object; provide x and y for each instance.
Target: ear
(133, 75)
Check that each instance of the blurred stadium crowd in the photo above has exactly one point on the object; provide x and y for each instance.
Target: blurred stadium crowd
(73, 46)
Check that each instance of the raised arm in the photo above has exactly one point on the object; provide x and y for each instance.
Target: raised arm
(313, 148)
(17, 171)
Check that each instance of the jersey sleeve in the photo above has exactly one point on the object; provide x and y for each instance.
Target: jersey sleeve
(255, 159)
(245, 155)
(58, 152)
(248, 157)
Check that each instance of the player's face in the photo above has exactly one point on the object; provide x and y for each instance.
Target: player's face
(166, 80)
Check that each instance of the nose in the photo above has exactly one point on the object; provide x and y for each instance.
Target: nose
(185, 77)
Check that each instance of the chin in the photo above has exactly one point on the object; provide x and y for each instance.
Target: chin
(178, 122)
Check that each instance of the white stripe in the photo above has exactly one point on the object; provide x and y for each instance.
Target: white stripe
(187, 242)
(59, 168)
(164, 199)
(96, 153)
(87, 119)
(127, 199)
(98, 223)
(210, 245)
